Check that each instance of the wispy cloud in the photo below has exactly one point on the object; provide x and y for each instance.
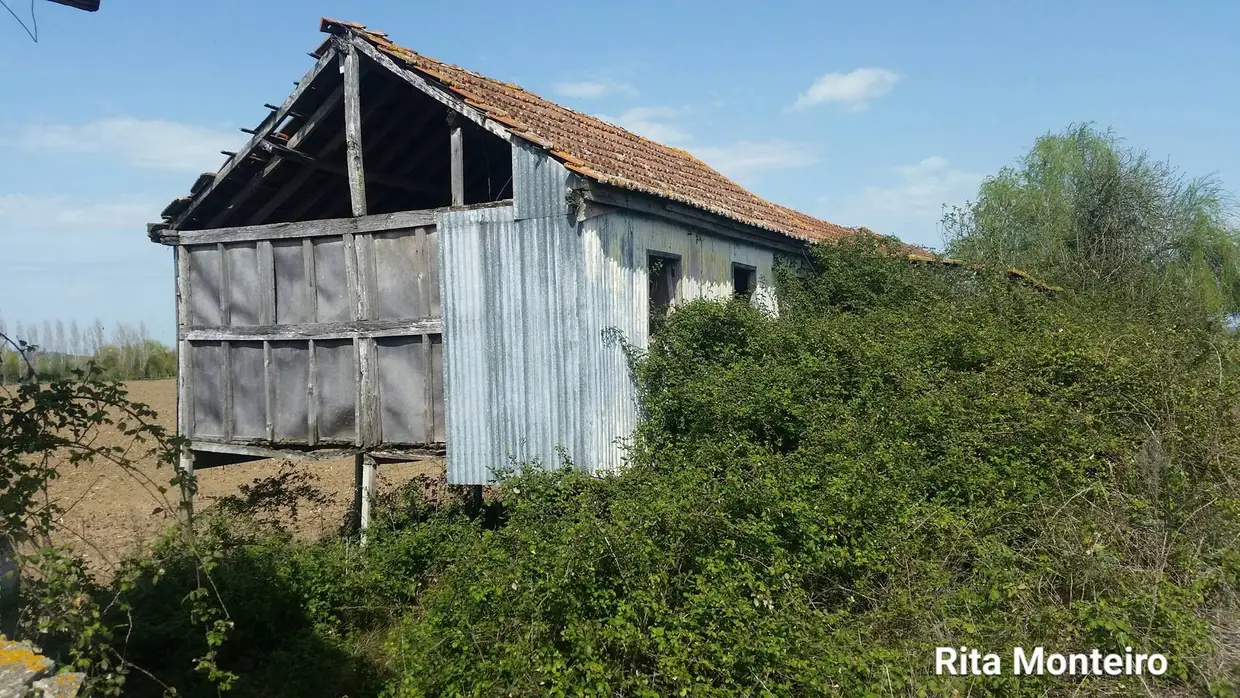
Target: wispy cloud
(744, 160)
(910, 207)
(593, 89)
(853, 91)
(144, 143)
(22, 213)
(653, 123)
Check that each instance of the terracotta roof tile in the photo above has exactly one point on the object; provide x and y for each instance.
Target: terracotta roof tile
(602, 151)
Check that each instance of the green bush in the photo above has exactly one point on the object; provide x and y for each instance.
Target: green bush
(909, 456)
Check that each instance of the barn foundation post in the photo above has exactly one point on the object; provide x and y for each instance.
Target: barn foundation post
(366, 475)
(185, 469)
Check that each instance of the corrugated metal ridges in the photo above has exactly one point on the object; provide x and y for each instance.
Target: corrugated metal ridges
(527, 373)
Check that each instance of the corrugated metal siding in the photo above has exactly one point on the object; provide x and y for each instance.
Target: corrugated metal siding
(527, 297)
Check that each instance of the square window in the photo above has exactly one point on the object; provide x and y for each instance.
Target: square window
(744, 281)
(664, 274)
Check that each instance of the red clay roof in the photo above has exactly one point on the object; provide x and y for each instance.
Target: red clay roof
(601, 151)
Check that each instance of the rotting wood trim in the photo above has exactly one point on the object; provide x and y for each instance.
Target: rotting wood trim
(314, 454)
(267, 126)
(315, 331)
(438, 94)
(265, 452)
(325, 227)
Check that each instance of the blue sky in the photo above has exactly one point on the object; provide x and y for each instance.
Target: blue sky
(869, 114)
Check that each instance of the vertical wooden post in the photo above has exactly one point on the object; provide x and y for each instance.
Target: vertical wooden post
(364, 471)
(458, 159)
(353, 130)
(185, 463)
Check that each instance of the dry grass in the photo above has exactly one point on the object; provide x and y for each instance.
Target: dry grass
(110, 514)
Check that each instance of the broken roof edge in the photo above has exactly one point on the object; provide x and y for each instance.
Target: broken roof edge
(518, 129)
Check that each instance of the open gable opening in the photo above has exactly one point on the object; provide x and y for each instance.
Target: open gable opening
(299, 171)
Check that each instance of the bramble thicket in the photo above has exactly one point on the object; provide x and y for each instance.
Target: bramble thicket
(910, 455)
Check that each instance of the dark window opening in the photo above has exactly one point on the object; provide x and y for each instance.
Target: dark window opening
(744, 281)
(664, 273)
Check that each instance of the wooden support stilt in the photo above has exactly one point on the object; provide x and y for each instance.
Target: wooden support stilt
(364, 479)
(475, 500)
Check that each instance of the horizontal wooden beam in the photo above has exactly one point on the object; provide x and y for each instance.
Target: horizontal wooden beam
(438, 94)
(352, 329)
(301, 229)
(393, 453)
(282, 150)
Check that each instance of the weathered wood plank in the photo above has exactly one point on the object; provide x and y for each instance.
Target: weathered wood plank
(457, 146)
(269, 392)
(312, 405)
(428, 384)
(318, 330)
(226, 367)
(442, 96)
(307, 259)
(267, 282)
(270, 452)
(305, 229)
(266, 127)
(353, 130)
(225, 286)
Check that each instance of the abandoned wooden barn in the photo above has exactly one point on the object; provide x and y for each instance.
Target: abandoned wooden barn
(408, 259)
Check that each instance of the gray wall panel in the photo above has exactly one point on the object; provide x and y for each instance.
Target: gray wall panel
(335, 384)
(290, 367)
(245, 296)
(207, 363)
(402, 390)
(204, 284)
(331, 283)
(400, 275)
(293, 302)
(249, 412)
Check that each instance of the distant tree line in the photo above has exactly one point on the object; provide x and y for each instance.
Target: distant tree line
(127, 352)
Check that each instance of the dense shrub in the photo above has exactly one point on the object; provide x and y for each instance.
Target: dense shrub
(909, 456)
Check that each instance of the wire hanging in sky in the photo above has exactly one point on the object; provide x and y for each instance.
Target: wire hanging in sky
(34, 35)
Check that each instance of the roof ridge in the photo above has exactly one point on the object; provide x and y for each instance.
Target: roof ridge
(612, 153)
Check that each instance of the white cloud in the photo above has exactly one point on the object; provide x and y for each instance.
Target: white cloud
(150, 144)
(22, 213)
(912, 206)
(593, 89)
(743, 160)
(851, 90)
(652, 122)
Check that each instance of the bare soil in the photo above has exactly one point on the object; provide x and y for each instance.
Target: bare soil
(109, 512)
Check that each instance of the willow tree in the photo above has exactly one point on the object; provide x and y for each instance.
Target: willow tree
(1087, 212)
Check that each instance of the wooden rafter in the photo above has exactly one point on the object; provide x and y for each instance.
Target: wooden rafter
(265, 129)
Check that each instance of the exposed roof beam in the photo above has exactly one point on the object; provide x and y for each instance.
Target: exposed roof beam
(398, 183)
(300, 135)
(265, 128)
(439, 94)
(375, 106)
